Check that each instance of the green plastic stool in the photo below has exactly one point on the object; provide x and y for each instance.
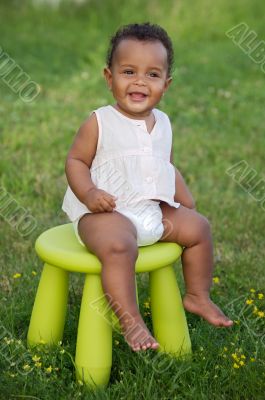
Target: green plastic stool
(62, 253)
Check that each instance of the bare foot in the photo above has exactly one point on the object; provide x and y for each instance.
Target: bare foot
(137, 335)
(205, 308)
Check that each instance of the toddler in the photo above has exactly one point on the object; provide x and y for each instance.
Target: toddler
(124, 191)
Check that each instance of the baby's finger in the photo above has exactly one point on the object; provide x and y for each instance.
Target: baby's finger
(106, 204)
(111, 200)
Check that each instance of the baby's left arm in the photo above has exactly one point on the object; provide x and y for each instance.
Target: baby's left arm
(182, 194)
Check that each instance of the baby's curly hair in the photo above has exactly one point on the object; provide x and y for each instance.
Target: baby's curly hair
(142, 32)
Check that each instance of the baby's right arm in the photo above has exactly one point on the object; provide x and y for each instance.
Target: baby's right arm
(78, 163)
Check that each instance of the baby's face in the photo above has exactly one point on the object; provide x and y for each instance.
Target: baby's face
(138, 76)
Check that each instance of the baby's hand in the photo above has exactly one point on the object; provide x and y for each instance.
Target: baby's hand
(97, 200)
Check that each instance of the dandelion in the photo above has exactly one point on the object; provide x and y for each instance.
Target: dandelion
(260, 296)
(236, 366)
(17, 275)
(216, 279)
(146, 304)
(241, 363)
(38, 364)
(26, 367)
(48, 370)
(255, 311)
(35, 358)
(249, 301)
(243, 357)
(252, 291)
(261, 314)
(252, 359)
(8, 341)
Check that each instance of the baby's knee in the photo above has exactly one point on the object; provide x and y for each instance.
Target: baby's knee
(122, 246)
(204, 227)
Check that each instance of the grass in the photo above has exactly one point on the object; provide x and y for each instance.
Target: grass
(216, 105)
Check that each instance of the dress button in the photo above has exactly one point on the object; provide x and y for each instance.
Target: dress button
(149, 179)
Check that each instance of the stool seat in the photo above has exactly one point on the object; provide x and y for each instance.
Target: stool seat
(61, 252)
(58, 246)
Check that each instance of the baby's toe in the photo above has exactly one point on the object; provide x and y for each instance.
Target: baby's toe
(155, 345)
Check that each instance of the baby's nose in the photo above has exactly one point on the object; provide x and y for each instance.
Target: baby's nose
(140, 80)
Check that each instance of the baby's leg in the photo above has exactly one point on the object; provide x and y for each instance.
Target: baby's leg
(112, 238)
(190, 229)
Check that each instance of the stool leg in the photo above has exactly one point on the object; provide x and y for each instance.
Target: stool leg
(49, 310)
(94, 339)
(168, 316)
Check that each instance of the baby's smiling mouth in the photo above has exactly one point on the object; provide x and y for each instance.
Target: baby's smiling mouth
(137, 96)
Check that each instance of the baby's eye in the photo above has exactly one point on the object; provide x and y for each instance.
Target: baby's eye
(128, 72)
(153, 74)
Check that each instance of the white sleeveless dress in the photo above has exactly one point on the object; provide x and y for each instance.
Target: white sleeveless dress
(133, 165)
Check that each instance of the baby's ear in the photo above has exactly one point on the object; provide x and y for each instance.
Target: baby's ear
(167, 83)
(108, 77)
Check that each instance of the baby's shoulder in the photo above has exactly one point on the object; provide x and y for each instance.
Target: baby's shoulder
(162, 116)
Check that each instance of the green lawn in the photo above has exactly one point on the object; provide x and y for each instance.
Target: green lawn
(216, 105)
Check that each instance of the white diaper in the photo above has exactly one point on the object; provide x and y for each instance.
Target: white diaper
(146, 217)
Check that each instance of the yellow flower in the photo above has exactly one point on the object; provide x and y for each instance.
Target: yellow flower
(38, 364)
(49, 369)
(34, 273)
(255, 311)
(146, 304)
(236, 365)
(235, 357)
(252, 359)
(260, 296)
(216, 279)
(17, 275)
(35, 358)
(26, 367)
(8, 341)
(241, 363)
(261, 314)
(249, 301)
(252, 291)
(243, 357)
